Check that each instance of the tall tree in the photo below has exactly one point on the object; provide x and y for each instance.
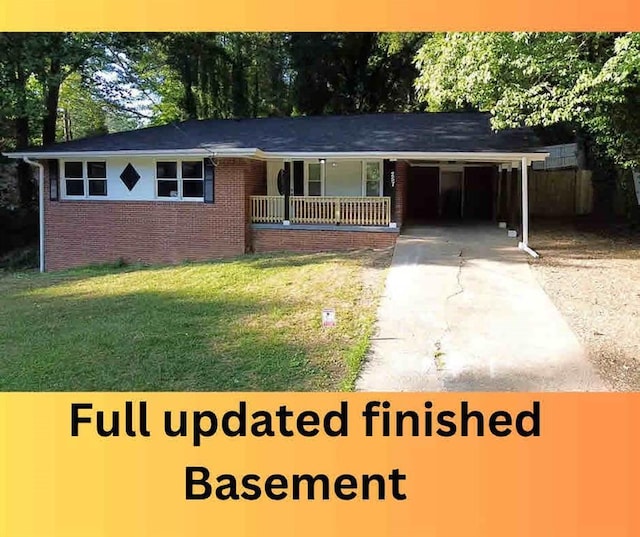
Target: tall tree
(354, 72)
(19, 100)
(33, 66)
(81, 114)
(228, 75)
(588, 81)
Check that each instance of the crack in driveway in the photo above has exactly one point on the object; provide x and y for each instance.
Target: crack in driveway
(472, 288)
(439, 353)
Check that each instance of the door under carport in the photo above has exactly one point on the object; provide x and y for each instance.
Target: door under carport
(451, 193)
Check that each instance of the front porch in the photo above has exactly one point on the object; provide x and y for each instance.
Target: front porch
(314, 210)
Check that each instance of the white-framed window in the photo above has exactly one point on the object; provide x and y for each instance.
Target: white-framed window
(372, 178)
(84, 179)
(343, 178)
(314, 184)
(180, 179)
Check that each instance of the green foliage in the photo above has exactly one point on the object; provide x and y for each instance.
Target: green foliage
(226, 75)
(343, 73)
(523, 79)
(33, 69)
(21, 97)
(20, 259)
(611, 101)
(81, 115)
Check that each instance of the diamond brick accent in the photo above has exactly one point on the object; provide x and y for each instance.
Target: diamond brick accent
(130, 176)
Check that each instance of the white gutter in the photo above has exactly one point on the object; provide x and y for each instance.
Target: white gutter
(524, 245)
(529, 250)
(199, 152)
(40, 207)
(408, 155)
(249, 152)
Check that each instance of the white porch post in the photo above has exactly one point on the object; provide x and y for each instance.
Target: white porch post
(524, 245)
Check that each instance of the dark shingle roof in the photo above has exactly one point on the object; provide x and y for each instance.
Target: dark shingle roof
(420, 132)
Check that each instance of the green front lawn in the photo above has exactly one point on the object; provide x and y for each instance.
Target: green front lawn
(253, 323)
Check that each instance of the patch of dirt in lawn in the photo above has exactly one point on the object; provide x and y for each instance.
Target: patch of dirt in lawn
(593, 277)
(374, 271)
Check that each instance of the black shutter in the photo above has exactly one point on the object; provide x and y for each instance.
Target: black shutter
(54, 180)
(286, 185)
(209, 181)
(298, 178)
(389, 184)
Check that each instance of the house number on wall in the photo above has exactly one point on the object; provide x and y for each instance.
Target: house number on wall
(393, 179)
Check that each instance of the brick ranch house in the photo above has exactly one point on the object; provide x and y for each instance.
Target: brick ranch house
(207, 189)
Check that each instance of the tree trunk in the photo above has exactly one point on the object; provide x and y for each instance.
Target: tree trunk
(26, 186)
(52, 98)
(190, 106)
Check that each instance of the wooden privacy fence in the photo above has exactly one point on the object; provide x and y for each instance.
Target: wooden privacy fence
(560, 192)
(354, 211)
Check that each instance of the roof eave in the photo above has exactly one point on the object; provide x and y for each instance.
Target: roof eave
(478, 156)
(471, 156)
(195, 152)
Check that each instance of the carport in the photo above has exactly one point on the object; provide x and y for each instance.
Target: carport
(471, 188)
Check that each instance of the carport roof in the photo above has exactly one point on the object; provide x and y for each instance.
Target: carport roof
(367, 133)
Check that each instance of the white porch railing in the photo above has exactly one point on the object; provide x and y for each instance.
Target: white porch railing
(354, 211)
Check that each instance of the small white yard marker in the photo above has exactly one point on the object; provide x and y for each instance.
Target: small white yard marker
(328, 318)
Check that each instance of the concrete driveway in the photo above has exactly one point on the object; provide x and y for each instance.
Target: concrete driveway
(462, 311)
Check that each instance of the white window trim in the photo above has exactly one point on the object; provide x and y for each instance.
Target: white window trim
(178, 178)
(364, 177)
(62, 187)
(322, 164)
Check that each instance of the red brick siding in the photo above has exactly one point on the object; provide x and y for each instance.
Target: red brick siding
(255, 185)
(295, 240)
(86, 232)
(402, 172)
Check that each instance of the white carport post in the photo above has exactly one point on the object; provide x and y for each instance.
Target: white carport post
(524, 245)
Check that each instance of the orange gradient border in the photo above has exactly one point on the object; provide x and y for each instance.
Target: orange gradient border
(334, 15)
(580, 478)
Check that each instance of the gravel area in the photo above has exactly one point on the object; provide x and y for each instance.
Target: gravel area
(593, 277)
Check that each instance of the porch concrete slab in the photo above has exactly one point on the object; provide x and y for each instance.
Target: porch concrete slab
(462, 311)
